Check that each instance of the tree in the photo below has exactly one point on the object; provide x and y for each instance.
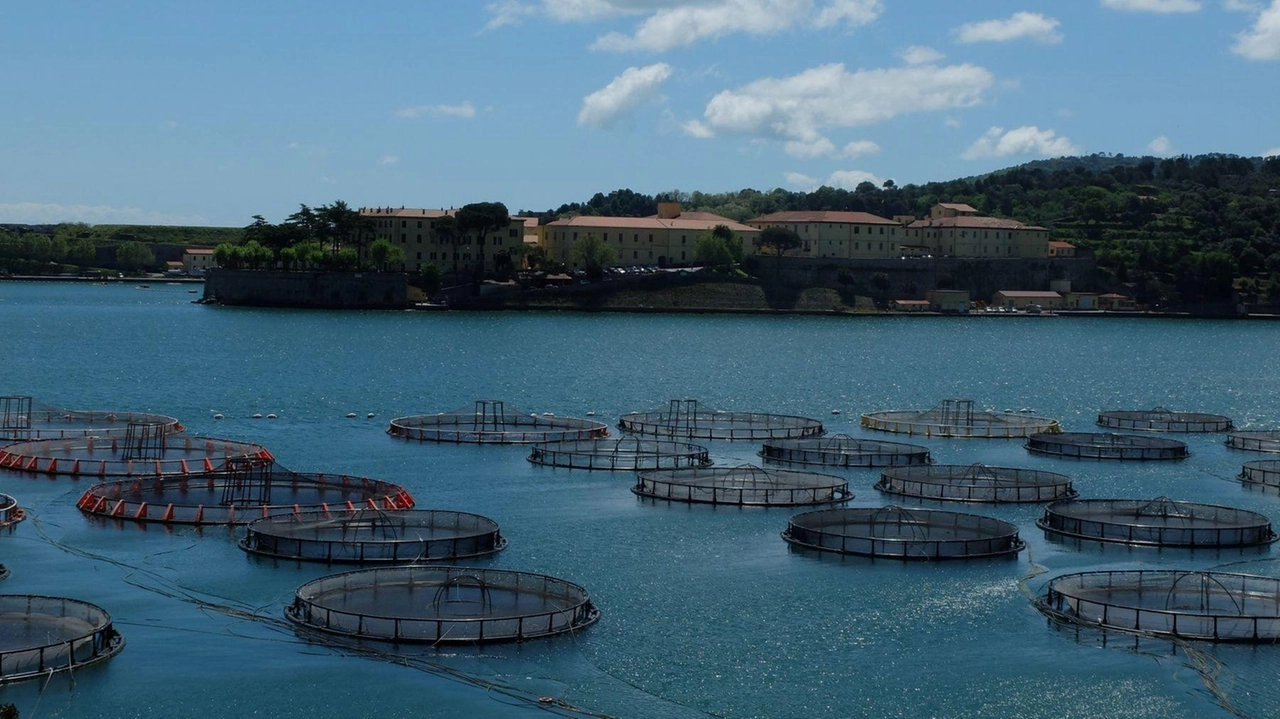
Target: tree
(880, 281)
(82, 252)
(594, 255)
(383, 253)
(482, 218)
(429, 279)
(731, 242)
(711, 251)
(133, 256)
(447, 231)
(227, 256)
(780, 240)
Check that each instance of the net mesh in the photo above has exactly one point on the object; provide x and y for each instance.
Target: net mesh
(21, 418)
(959, 418)
(1256, 440)
(841, 450)
(493, 422)
(40, 635)
(1100, 445)
(684, 418)
(1201, 605)
(626, 453)
(1160, 419)
(439, 604)
(1157, 522)
(975, 483)
(899, 533)
(374, 535)
(743, 485)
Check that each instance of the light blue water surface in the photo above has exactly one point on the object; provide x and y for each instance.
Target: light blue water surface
(705, 610)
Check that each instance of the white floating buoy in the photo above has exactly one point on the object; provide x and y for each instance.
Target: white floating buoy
(591, 414)
(271, 416)
(369, 416)
(835, 411)
(217, 416)
(351, 415)
(548, 414)
(257, 415)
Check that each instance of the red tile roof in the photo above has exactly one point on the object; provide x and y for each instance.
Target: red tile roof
(198, 251)
(406, 212)
(650, 223)
(832, 216)
(978, 223)
(958, 206)
(1029, 294)
(1059, 245)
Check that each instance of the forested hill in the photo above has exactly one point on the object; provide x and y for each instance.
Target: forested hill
(1174, 231)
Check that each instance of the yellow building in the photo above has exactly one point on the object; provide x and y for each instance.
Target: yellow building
(413, 230)
(851, 235)
(197, 260)
(956, 230)
(665, 239)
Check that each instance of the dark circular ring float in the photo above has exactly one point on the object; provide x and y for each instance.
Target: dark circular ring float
(10, 512)
(958, 418)
(745, 485)
(374, 535)
(898, 533)
(429, 604)
(975, 483)
(624, 454)
(146, 453)
(492, 422)
(1263, 471)
(41, 635)
(1163, 420)
(1263, 440)
(1101, 445)
(23, 420)
(684, 419)
(1197, 605)
(1159, 522)
(841, 450)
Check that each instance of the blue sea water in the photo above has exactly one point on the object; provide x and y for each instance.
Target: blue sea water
(706, 611)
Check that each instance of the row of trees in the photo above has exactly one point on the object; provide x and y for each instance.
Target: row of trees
(35, 252)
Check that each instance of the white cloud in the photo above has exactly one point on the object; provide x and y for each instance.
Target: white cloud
(695, 128)
(44, 213)
(669, 24)
(858, 148)
(1248, 6)
(1020, 25)
(1262, 41)
(464, 110)
(170, 124)
(1026, 140)
(1273, 152)
(1160, 146)
(844, 179)
(820, 147)
(634, 86)
(850, 179)
(800, 108)
(799, 181)
(307, 149)
(388, 160)
(952, 122)
(920, 55)
(1156, 6)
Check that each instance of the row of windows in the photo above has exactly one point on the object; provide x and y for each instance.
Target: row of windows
(404, 239)
(511, 232)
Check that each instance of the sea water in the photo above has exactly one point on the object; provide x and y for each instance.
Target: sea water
(705, 610)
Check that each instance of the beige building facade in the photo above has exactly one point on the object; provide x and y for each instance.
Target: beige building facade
(666, 239)
(197, 260)
(826, 233)
(957, 230)
(413, 230)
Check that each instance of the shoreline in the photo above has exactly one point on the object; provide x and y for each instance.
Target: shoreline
(92, 280)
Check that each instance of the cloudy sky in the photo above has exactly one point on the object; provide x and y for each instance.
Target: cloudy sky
(207, 113)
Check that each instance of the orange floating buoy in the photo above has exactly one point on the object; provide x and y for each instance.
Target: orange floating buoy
(142, 511)
(199, 514)
(168, 514)
(118, 511)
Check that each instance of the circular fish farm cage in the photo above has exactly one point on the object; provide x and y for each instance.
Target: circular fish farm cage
(239, 496)
(685, 419)
(975, 483)
(745, 485)
(492, 422)
(429, 604)
(1266, 440)
(1262, 471)
(841, 450)
(374, 535)
(1160, 522)
(147, 450)
(897, 533)
(1163, 420)
(623, 454)
(958, 418)
(10, 512)
(1197, 605)
(1102, 445)
(42, 635)
(22, 419)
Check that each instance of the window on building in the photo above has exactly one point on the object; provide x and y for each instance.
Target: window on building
(682, 240)
(419, 255)
(433, 255)
(857, 230)
(635, 254)
(682, 254)
(511, 232)
(635, 237)
(882, 245)
(419, 224)
(419, 237)
(575, 237)
(651, 237)
(404, 223)
(403, 237)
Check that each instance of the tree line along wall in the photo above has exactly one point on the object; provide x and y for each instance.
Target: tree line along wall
(911, 278)
(335, 290)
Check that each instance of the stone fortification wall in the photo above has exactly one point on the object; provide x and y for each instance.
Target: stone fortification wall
(330, 290)
(911, 278)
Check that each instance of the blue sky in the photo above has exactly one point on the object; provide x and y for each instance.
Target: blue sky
(210, 112)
